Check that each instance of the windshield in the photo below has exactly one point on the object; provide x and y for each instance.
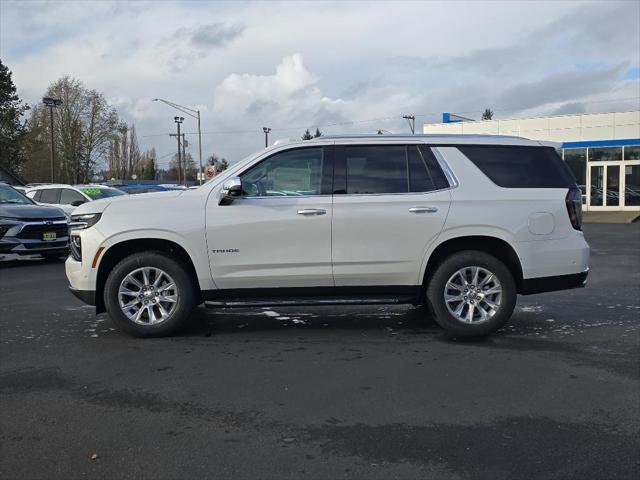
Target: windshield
(96, 193)
(10, 195)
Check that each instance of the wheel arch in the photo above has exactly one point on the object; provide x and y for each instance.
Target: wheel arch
(124, 248)
(498, 247)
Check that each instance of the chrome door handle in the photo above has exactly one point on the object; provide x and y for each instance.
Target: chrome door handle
(312, 211)
(423, 209)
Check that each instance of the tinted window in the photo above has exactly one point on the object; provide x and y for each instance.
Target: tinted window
(50, 195)
(12, 196)
(68, 196)
(520, 167)
(376, 169)
(291, 173)
(425, 173)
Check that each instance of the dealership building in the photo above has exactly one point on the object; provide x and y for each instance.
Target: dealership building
(602, 150)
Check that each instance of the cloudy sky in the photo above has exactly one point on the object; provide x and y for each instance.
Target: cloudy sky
(345, 67)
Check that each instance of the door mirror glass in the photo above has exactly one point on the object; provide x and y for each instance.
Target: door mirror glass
(231, 188)
(77, 203)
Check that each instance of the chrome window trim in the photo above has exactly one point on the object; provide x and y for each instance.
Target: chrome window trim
(341, 195)
(243, 197)
(448, 173)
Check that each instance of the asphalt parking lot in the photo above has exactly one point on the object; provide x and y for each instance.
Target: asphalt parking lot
(331, 392)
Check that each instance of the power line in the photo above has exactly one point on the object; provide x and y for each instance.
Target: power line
(371, 120)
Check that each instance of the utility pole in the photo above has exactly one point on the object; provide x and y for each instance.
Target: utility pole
(412, 122)
(51, 103)
(192, 113)
(184, 159)
(178, 121)
(266, 131)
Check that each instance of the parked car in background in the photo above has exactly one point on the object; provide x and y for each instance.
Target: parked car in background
(173, 186)
(27, 228)
(141, 188)
(459, 223)
(69, 197)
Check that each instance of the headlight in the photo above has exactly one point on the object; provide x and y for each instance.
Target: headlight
(80, 222)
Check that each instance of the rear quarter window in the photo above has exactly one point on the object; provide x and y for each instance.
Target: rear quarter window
(520, 167)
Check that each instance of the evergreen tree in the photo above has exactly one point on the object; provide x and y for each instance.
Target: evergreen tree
(488, 114)
(307, 135)
(12, 127)
(317, 134)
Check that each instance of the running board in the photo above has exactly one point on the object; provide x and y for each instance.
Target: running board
(302, 302)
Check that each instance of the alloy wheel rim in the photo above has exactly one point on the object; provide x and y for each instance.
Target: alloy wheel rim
(148, 296)
(473, 295)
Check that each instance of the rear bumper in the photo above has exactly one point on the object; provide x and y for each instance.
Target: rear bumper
(551, 284)
(87, 296)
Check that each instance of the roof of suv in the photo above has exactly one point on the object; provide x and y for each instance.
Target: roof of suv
(444, 139)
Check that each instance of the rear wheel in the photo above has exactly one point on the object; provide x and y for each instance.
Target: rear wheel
(472, 293)
(149, 294)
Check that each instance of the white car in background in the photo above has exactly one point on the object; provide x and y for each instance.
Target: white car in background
(69, 197)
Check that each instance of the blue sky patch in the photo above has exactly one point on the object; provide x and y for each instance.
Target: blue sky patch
(632, 74)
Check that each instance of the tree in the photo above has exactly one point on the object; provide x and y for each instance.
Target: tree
(219, 164)
(487, 114)
(317, 134)
(12, 127)
(84, 127)
(148, 165)
(307, 135)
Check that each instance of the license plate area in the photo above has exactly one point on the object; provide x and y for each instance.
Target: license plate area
(48, 236)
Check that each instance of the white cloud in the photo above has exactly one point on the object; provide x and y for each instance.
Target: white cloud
(247, 65)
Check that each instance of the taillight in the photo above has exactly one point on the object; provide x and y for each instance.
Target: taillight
(574, 207)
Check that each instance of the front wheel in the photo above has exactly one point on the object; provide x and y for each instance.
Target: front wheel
(472, 294)
(149, 294)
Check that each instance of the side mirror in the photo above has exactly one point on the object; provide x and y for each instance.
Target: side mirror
(77, 203)
(231, 188)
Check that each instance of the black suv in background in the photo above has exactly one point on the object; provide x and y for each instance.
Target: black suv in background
(27, 228)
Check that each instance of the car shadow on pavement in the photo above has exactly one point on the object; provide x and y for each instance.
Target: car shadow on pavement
(14, 261)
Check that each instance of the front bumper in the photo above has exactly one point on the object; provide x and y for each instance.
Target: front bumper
(87, 296)
(22, 246)
(552, 284)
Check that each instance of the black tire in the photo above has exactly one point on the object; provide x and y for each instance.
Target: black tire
(438, 282)
(186, 287)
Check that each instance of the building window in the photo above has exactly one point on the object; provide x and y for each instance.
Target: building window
(632, 152)
(605, 154)
(576, 159)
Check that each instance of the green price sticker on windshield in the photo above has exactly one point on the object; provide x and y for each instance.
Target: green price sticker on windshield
(92, 192)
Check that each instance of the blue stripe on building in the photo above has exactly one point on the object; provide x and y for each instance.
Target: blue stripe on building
(602, 143)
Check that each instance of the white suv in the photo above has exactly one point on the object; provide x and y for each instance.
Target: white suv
(69, 197)
(459, 223)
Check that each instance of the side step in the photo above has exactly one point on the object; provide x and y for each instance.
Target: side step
(301, 302)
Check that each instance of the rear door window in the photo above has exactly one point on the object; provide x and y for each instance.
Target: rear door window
(68, 196)
(425, 174)
(380, 169)
(376, 169)
(50, 195)
(520, 167)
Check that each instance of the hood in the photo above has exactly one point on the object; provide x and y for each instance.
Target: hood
(28, 211)
(99, 206)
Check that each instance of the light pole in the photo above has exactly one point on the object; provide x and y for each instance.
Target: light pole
(194, 114)
(51, 103)
(266, 131)
(412, 122)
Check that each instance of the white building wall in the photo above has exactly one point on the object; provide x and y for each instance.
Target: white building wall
(560, 128)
